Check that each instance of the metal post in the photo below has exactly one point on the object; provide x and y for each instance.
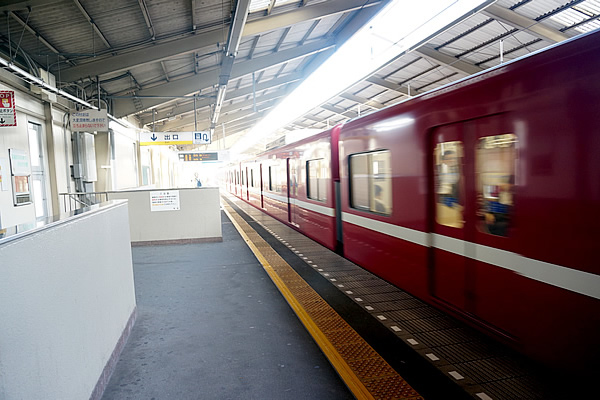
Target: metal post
(253, 92)
(195, 116)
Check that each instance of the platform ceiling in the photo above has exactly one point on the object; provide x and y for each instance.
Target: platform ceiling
(159, 60)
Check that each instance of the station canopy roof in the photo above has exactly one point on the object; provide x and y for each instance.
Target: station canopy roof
(223, 65)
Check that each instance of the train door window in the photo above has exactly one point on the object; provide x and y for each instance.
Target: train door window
(252, 177)
(270, 179)
(316, 179)
(495, 160)
(371, 182)
(448, 182)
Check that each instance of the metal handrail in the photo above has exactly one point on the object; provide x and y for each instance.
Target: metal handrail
(79, 200)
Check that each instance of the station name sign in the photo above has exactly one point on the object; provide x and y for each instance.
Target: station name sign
(174, 138)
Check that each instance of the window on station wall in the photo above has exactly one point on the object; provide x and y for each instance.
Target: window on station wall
(371, 182)
(448, 183)
(495, 166)
(316, 179)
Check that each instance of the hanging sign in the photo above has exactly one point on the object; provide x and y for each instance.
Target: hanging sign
(199, 156)
(8, 115)
(173, 138)
(89, 121)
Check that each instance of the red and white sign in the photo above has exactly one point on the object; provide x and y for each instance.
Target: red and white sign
(8, 115)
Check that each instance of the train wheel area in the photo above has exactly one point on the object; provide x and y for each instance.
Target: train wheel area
(380, 338)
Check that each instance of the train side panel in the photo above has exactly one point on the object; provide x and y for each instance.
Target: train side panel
(521, 268)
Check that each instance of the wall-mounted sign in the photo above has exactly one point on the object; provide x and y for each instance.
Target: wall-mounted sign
(89, 121)
(164, 200)
(20, 168)
(203, 156)
(8, 115)
(19, 162)
(173, 138)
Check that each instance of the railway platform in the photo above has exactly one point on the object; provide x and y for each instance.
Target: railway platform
(270, 314)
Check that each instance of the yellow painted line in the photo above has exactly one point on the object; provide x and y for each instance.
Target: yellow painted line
(344, 370)
(166, 143)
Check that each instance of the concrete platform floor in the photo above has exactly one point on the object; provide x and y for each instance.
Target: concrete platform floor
(212, 325)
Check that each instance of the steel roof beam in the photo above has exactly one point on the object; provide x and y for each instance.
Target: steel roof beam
(17, 5)
(198, 82)
(203, 119)
(227, 110)
(192, 43)
(447, 61)
(231, 49)
(362, 100)
(91, 21)
(524, 23)
(189, 107)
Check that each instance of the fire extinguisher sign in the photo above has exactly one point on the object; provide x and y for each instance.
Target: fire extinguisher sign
(8, 116)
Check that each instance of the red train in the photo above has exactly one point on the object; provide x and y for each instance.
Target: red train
(481, 197)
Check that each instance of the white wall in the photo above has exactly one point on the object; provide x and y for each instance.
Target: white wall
(17, 138)
(199, 216)
(66, 295)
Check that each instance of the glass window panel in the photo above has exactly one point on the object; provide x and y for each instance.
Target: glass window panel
(495, 169)
(34, 145)
(38, 198)
(316, 179)
(381, 183)
(448, 182)
(371, 182)
(359, 181)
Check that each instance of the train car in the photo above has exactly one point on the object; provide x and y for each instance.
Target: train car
(297, 185)
(480, 197)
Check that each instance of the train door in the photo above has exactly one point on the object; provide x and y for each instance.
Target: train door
(450, 233)
(247, 185)
(474, 174)
(293, 190)
(262, 200)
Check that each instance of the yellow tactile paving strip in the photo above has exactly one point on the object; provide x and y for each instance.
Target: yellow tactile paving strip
(363, 370)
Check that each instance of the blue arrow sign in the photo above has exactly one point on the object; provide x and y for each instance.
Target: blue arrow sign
(153, 137)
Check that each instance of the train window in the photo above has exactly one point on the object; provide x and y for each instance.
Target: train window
(243, 180)
(316, 178)
(270, 179)
(495, 169)
(252, 177)
(448, 182)
(371, 182)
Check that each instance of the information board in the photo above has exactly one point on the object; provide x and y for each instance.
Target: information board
(164, 200)
(89, 121)
(203, 156)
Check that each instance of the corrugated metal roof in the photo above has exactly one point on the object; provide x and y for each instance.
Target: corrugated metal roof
(143, 47)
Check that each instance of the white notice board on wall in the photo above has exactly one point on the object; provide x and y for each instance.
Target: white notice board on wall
(164, 200)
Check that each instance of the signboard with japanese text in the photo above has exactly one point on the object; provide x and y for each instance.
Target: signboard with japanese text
(165, 138)
(164, 200)
(89, 121)
(199, 156)
(173, 138)
(8, 115)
